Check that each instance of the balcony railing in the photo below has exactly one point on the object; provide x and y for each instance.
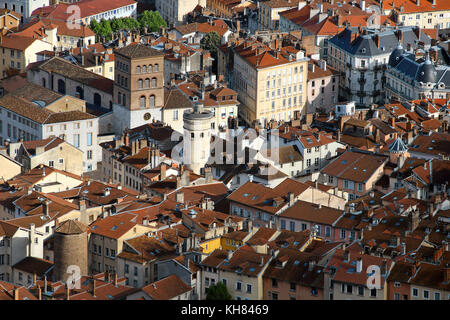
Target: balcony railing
(362, 80)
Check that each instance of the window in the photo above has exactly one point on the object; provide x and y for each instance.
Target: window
(127, 268)
(293, 286)
(51, 163)
(275, 283)
(327, 231)
(343, 234)
(142, 102)
(292, 226)
(274, 296)
(426, 294)
(89, 139)
(249, 288)
(89, 154)
(437, 296)
(238, 286)
(175, 114)
(361, 290)
(349, 288)
(76, 140)
(373, 293)
(224, 281)
(415, 292)
(152, 101)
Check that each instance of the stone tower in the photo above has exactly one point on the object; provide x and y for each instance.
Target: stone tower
(398, 152)
(138, 86)
(197, 137)
(70, 249)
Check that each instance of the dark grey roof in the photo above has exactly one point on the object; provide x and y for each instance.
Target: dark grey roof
(395, 56)
(365, 45)
(427, 72)
(422, 70)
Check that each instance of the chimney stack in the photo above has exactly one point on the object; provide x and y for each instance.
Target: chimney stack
(347, 256)
(16, 293)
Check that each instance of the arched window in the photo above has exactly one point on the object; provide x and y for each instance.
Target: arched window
(43, 82)
(156, 67)
(147, 83)
(61, 86)
(97, 99)
(152, 101)
(140, 83)
(142, 102)
(80, 91)
(153, 82)
(144, 69)
(150, 68)
(138, 69)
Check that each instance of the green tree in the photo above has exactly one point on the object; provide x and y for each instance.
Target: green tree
(211, 42)
(218, 292)
(95, 26)
(105, 29)
(152, 20)
(117, 24)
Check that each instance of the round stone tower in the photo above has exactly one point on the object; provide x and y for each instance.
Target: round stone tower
(197, 137)
(70, 249)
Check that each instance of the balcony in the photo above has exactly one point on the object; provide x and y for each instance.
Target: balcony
(361, 93)
(362, 81)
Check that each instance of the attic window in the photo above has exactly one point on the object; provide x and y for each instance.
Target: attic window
(363, 50)
(114, 228)
(343, 161)
(246, 195)
(255, 197)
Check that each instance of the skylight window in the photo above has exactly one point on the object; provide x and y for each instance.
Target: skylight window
(114, 228)
(255, 197)
(344, 161)
(246, 194)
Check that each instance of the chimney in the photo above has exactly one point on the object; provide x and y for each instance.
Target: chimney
(383, 267)
(346, 256)
(359, 265)
(262, 261)
(16, 293)
(115, 279)
(447, 275)
(39, 293)
(179, 197)
(94, 284)
(67, 292)
(392, 122)
(34, 278)
(82, 60)
(162, 172)
(291, 198)
(82, 204)
(208, 175)
(418, 3)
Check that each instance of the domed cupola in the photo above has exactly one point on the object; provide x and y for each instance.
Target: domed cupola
(427, 72)
(396, 55)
